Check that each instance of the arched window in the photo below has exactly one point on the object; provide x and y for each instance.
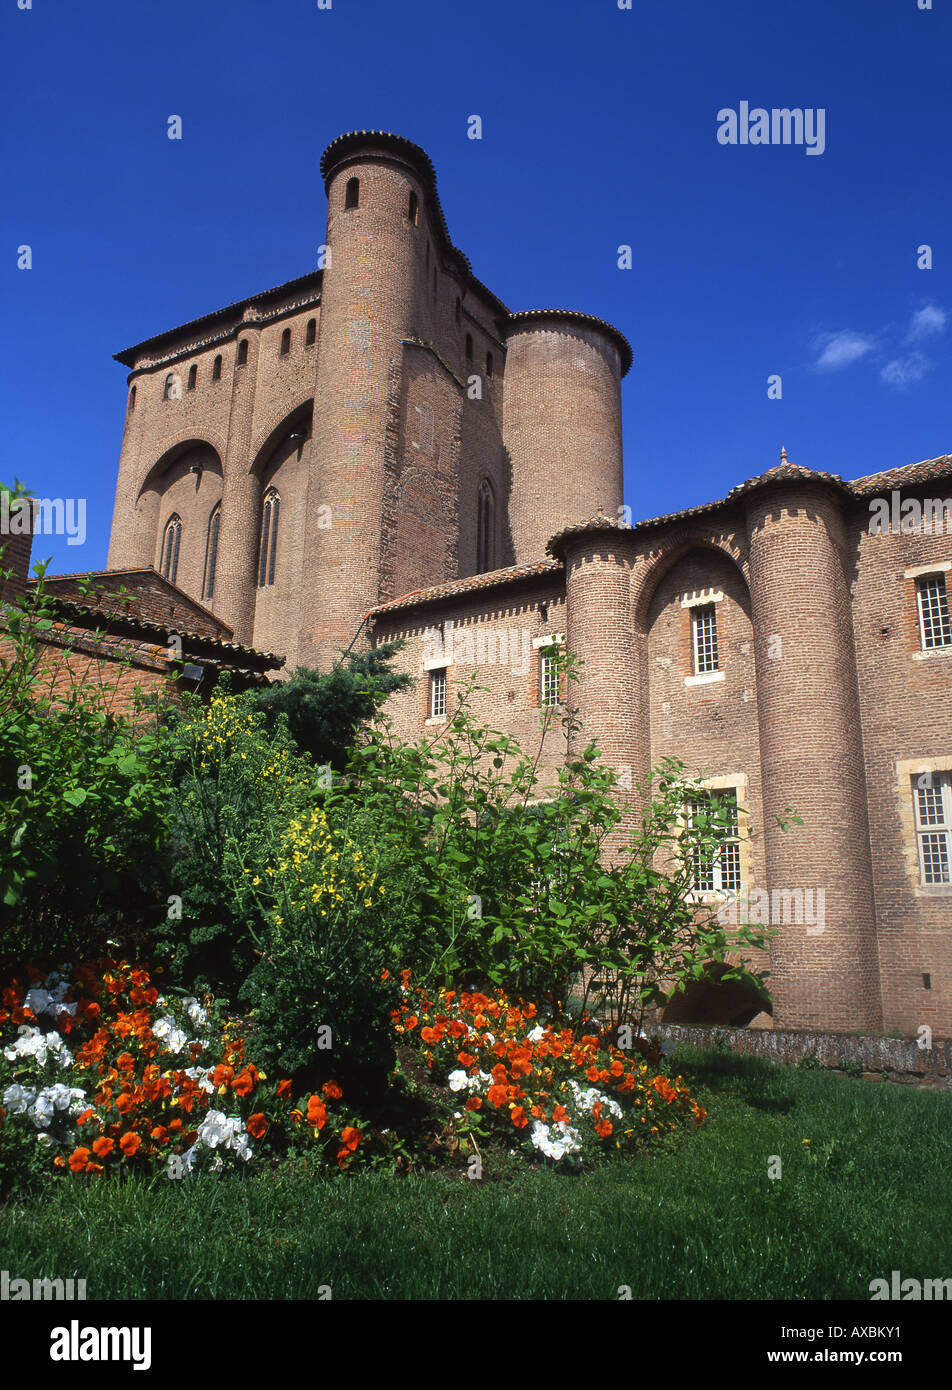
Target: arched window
(170, 393)
(413, 209)
(192, 376)
(216, 368)
(310, 337)
(132, 399)
(211, 554)
(469, 347)
(242, 352)
(489, 364)
(485, 528)
(270, 509)
(352, 194)
(171, 543)
(285, 342)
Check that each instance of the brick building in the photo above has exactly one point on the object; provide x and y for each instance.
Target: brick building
(380, 448)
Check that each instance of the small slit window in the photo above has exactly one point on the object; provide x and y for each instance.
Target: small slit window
(132, 399)
(216, 368)
(310, 336)
(242, 352)
(489, 364)
(192, 376)
(485, 528)
(469, 347)
(413, 209)
(285, 342)
(171, 393)
(352, 194)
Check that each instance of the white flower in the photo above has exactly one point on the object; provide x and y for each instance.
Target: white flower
(195, 1012)
(167, 1031)
(39, 1000)
(16, 1098)
(458, 1081)
(41, 1111)
(45, 1139)
(537, 1034)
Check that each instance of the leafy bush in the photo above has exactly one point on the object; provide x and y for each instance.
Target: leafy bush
(85, 805)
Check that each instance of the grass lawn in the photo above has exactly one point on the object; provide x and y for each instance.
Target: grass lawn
(701, 1220)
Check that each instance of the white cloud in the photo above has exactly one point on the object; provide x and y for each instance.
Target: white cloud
(903, 371)
(840, 349)
(926, 322)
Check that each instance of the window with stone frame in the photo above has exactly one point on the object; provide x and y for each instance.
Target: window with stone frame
(932, 796)
(438, 693)
(715, 870)
(704, 631)
(935, 620)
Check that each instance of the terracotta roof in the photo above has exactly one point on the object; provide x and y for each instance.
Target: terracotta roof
(913, 474)
(526, 317)
(218, 651)
(474, 583)
(128, 355)
(910, 475)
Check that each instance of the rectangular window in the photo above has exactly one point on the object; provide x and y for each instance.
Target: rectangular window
(934, 828)
(705, 639)
(549, 678)
(438, 694)
(935, 623)
(716, 870)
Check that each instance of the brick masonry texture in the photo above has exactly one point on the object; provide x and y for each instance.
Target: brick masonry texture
(405, 387)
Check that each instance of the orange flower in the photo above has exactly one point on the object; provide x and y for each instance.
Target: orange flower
(350, 1137)
(257, 1126)
(474, 1103)
(519, 1117)
(78, 1160)
(283, 1089)
(159, 1134)
(466, 1059)
(617, 1067)
(316, 1112)
(243, 1083)
(102, 1147)
(86, 1115)
(603, 1128)
(129, 1144)
(124, 1103)
(429, 1035)
(560, 1114)
(412, 1022)
(497, 1095)
(592, 1073)
(332, 1090)
(221, 1074)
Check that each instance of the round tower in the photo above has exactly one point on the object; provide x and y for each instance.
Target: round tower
(824, 971)
(561, 422)
(610, 694)
(377, 191)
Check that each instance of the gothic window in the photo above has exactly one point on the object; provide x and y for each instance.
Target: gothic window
(310, 338)
(192, 376)
(352, 194)
(269, 538)
(171, 542)
(216, 368)
(285, 342)
(485, 528)
(132, 399)
(242, 352)
(413, 209)
(211, 554)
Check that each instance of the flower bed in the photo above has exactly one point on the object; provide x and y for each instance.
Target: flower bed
(546, 1089)
(107, 1073)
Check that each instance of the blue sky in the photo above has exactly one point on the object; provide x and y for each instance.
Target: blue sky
(599, 129)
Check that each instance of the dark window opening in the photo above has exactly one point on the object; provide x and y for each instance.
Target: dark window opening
(285, 342)
(171, 543)
(216, 369)
(242, 352)
(211, 554)
(469, 347)
(311, 335)
(352, 195)
(192, 376)
(269, 538)
(413, 209)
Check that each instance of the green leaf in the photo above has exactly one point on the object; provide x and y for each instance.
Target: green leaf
(75, 796)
